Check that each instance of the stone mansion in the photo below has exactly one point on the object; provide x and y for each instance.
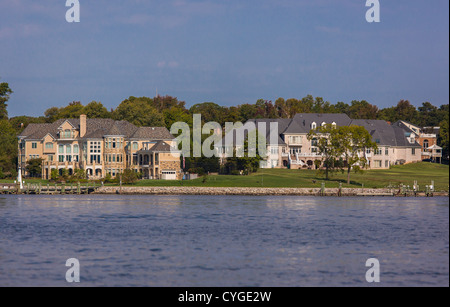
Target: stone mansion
(100, 147)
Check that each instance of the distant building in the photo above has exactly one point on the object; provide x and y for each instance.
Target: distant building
(100, 147)
(428, 140)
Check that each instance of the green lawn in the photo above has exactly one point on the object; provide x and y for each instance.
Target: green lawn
(424, 173)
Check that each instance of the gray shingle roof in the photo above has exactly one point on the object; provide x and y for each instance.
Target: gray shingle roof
(305, 120)
(98, 128)
(387, 135)
(154, 133)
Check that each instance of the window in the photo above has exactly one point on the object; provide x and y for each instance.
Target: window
(68, 149)
(426, 144)
(61, 149)
(413, 151)
(50, 158)
(334, 125)
(76, 159)
(386, 164)
(377, 163)
(67, 134)
(313, 126)
(368, 151)
(114, 143)
(378, 152)
(386, 152)
(295, 139)
(34, 145)
(314, 142)
(61, 158)
(294, 151)
(69, 158)
(76, 149)
(324, 124)
(135, 146)
(48, 145)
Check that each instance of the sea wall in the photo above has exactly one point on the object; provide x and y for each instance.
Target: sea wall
(241, 191)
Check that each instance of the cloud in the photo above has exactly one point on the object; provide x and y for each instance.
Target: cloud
(24, 30)
(331, 30)
(170, 64)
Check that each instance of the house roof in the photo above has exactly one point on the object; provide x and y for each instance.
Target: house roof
(97, 128)
(305, 121)
(386, 134)
(159, 133)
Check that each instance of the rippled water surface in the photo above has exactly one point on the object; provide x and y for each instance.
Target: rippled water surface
(223, 241)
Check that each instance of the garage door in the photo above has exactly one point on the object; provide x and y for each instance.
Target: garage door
(169, 175)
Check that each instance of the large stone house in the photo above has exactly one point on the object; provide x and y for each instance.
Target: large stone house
(397, 144)
(100, 147)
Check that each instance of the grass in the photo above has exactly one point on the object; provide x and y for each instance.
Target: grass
(424, 173)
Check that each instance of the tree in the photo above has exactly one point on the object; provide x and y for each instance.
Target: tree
(129, 176)
(96, 109)
(54, 174)
(5, 91)
(52, 114)
(34, 167)
(406, 111)
(176, 114)
(353, 141)
(8, 147)
(139, 112)
(327, 142)
(362, 110)
(73, 110)
(444, 138)
(162, 103)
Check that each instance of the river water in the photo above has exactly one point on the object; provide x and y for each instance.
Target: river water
(220, 241)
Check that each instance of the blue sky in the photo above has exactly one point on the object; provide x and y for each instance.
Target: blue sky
(226, 51)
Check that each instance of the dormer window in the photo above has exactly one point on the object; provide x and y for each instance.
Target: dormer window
(334, 125)
(324, 124)
(314, 126)
(67, 134)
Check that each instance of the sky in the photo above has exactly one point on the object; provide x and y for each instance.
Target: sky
(229, 52)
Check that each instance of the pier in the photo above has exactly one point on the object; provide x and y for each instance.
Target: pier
(39, 189)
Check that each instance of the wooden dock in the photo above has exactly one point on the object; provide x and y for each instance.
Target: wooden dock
(39, 189)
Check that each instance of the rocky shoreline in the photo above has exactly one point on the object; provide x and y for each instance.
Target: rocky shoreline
(254, 191)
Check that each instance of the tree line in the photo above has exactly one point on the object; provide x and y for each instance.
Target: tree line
(166, 110)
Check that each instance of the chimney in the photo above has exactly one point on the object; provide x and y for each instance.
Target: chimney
(82, 125)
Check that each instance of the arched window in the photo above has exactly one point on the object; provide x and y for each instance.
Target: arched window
(313, 126)
(324, 124)
(426, 144)
(334, 125)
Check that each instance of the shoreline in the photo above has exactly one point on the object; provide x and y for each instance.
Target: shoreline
(211, 191)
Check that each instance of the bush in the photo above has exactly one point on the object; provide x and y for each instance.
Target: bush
(129, 176)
